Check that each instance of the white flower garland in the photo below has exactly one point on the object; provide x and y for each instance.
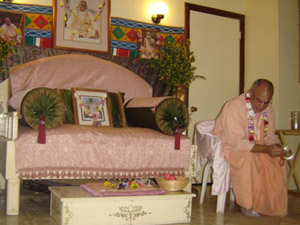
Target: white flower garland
(250, 115)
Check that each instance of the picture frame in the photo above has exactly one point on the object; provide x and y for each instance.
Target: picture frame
(149, 43)
(81, 25)
(12, 26)
(91, 107)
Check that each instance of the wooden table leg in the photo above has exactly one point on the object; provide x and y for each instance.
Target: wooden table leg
(292, 165)
(296, 178)
(290, 162)
(281, 137)
(293, 172)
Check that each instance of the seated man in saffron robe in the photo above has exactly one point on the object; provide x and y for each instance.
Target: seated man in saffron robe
(257, 170)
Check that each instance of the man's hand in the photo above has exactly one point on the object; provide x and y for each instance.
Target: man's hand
(274, 150)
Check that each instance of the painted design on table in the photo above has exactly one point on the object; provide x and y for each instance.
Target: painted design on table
(193, 160)
(130, 213)
(187, 209)
(69, 214)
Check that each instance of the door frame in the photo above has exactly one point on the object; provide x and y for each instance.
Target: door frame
(217, 12)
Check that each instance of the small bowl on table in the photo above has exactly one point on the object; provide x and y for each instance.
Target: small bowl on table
(172, 185)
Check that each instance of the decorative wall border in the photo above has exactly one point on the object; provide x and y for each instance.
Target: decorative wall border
(27, 8)
(38, 33)
(140, 25)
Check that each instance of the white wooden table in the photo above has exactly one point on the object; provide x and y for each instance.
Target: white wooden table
(71, 205)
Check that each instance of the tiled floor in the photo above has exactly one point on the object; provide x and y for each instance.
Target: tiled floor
(35, 211)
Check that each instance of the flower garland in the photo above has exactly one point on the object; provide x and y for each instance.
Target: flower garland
(84, 23)
(100, 9)
(250, 115)
(95, 113)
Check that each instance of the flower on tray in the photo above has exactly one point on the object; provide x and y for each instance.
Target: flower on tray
(124, 184)
(106, 183)
(109, 184)
(134, 185)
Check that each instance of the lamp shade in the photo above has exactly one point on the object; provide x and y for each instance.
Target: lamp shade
(160, 8)
(159, 12)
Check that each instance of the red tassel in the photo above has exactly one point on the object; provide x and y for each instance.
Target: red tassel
(177, 138)
(42, 131)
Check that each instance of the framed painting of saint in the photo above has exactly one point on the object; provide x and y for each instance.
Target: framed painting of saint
(12, 26)
(82, 25)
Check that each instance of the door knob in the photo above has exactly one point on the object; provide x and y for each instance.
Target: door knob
(194, 109)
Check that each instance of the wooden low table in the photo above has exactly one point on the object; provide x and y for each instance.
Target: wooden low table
(72, 205)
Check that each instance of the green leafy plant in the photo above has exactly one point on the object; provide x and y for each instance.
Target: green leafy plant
(174, 65)
(6, 47)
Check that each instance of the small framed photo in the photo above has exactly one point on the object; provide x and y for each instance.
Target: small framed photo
(91, 107)
(149, 43)
(12, 26)
(82, 25)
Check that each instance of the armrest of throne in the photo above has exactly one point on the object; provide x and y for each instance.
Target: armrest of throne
(9, 126)
(8, 133)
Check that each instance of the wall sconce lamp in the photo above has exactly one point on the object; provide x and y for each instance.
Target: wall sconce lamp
(156, 18)
(159, 11)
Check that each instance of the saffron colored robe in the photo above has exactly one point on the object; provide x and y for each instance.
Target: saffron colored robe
(258, 181)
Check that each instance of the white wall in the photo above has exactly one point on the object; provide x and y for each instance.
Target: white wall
(35, 2)
(139, 10)
(262, 44)
(289, 83)
(272, 51)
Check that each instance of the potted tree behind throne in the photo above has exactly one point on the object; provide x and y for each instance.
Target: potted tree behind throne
(174, 67)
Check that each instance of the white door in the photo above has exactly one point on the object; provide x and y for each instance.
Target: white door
(215, 41)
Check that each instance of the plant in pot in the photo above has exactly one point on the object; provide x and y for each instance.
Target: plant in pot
(174, 67)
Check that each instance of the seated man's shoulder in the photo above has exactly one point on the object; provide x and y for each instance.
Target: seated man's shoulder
(235, 102)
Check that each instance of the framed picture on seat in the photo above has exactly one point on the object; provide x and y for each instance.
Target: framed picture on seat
(91, 107)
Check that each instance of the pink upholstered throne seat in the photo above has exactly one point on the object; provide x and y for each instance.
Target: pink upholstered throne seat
(83, 151)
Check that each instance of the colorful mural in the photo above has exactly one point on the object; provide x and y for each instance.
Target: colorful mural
(124, 40)
(124, 35)
(38, 23)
